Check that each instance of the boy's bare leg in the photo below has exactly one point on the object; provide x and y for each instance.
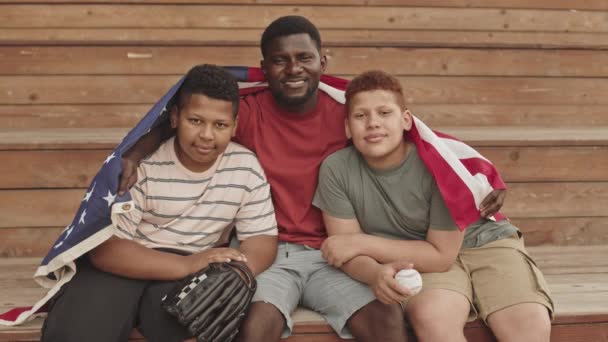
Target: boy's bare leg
(438, 315)
(522, 322)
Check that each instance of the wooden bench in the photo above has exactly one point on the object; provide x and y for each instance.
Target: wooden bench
(577, 276)
(523, 81)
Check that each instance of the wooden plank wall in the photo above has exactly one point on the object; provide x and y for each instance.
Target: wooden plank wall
(491, 65)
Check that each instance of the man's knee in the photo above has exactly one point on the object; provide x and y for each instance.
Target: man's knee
(378, 322)
(263, 322)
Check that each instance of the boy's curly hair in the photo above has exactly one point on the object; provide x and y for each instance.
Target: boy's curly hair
(375, 80)
(212, 81)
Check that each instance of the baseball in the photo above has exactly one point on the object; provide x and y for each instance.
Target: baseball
(411, 279)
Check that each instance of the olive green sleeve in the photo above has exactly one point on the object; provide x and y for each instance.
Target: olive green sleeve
(331, 194)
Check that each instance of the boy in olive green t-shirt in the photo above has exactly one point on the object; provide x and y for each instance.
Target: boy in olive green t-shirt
(381, 187)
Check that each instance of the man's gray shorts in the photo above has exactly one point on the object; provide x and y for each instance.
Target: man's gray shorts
(300, 276)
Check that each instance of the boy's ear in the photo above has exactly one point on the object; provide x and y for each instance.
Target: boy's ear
(236, 123)
(347, 129)
(174, 116)
(408, 119)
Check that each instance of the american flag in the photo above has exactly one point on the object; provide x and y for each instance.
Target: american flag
(463, 176)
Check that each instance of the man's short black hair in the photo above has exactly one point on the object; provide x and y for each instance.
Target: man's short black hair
(288, 25)
(212, 81)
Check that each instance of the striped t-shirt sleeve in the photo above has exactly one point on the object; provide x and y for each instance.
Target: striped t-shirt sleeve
(256, 215)
(126, 225)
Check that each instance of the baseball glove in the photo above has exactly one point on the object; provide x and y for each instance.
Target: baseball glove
(212, 302)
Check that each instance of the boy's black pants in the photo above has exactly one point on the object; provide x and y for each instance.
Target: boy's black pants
(96, 306)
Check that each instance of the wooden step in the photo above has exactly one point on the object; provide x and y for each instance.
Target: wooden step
(168, 60)
(554, 231)
(332, 17)
(534, 4)
(331, 38)
(511, 24)
(577, 277)
(418, 90)
(74, 168)
(557, 193)
(107, 138)
(35, 116)
(56, 207)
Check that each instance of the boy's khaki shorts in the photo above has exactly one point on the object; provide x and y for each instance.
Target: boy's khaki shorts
(492, 277)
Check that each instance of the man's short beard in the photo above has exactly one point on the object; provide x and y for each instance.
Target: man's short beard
(291, 102)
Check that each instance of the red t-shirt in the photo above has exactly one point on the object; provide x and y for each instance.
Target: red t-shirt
(291, 147)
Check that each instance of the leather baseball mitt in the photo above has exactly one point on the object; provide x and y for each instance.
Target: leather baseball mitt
(212, 302)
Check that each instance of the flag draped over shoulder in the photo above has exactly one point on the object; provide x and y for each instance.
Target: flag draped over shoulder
(463, 176)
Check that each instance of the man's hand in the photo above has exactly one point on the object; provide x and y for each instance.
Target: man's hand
(339, 249)
(493, 202)
(128, 177)
(145, 146)
(196, 262)
(385, 287)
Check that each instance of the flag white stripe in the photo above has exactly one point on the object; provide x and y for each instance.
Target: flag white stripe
(478, 185)
(462, 150)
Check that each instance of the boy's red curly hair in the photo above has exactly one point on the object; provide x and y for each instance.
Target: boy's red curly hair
(375, 80)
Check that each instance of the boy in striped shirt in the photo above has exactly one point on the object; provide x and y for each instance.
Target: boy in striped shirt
(193, 188)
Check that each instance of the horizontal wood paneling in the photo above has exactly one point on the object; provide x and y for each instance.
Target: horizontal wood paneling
(331, 38)
(66, 138)
(529, 136)
(50, 169)
(489, 71)
(77, 116)
(123, 89)
(587, 231)
(39, 208)
(509, 115)
(75, 168)
(107, 60)
(27, 242)
(43, 208)
(96, 138)
(541, 164)
(540, 200)
(450, 115)
(340, 17)
(501, 90)
(563, 231)
(571, 260)
(543, 4)
(580, 332)
(84, 89)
